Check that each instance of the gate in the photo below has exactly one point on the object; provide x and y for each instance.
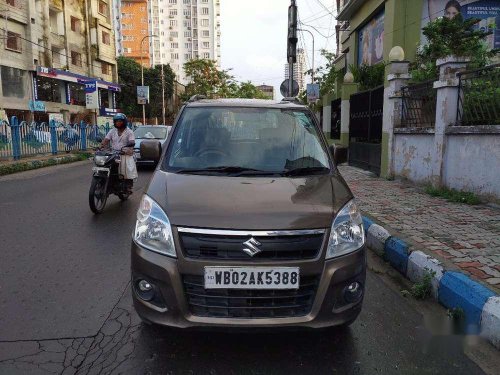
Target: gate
(365, 129)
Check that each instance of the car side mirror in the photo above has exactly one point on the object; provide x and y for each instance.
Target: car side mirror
(339, 154)
(150, 150)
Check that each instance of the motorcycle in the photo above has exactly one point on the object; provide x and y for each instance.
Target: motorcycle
(106, 179)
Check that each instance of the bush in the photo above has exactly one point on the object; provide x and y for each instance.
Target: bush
(368, 76)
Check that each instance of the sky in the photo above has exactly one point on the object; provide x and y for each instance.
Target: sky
(254, 32)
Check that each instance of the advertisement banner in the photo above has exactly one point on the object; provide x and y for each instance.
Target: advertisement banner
(371, 41)
(488, 11)
(57, 117)
(312, 92)
(36, 106)
(142, 94)
(91, 95)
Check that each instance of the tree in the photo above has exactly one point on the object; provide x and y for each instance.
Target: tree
(129, 77)
(206, 79)
(326, 75)
(447, 37)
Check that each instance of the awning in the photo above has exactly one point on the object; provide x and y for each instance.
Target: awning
(67, 76)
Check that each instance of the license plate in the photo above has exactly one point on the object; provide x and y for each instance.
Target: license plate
(252, 277)
(101, 169)
(137, 155)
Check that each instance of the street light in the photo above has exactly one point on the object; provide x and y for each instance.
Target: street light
(142, 77)
(312, 75)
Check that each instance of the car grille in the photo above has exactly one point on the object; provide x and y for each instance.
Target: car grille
(242, 303)
(208, 246)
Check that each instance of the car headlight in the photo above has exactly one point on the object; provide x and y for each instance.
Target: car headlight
(100, 159)
(347, 233)
(152, 228)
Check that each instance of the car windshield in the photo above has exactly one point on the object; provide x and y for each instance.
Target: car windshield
(150, 132)
(246, 140)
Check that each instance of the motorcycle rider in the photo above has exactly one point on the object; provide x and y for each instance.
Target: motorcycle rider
(121, 136)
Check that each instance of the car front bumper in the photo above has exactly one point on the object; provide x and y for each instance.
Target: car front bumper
(171, 308)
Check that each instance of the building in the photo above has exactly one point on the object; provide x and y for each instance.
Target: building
(186, 29)
(51, 49)
(299, 69)
(267, 90)
(131, 23)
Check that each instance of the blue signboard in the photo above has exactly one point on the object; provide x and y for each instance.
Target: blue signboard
(36, 106)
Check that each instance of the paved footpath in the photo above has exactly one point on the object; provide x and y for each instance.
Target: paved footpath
(463, 237)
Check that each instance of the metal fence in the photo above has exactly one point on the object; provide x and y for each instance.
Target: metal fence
(22, 139)
(418, 105)
(479, 96)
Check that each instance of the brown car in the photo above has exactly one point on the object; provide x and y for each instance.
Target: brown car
(247, 223)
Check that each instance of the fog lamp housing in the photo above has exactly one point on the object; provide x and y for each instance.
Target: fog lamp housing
(353, 292)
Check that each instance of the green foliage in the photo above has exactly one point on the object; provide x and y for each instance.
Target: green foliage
(423, 289)
(35, 164)
(447, 37)
(129, 76)
(326, 75)
(480, 100)
(453, 195)
(368, 76)
(456, 313)
(208, 80)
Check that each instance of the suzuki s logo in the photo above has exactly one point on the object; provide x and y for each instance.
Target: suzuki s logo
(252, 247)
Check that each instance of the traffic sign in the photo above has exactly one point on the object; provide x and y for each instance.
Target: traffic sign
(284, 88)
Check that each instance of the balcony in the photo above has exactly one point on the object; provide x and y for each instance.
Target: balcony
(57, 40)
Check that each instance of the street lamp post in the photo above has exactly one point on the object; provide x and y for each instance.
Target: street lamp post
(312, 75)
(142, 77)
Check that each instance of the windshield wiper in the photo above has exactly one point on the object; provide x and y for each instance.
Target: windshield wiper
(220, 169)
(304, 171)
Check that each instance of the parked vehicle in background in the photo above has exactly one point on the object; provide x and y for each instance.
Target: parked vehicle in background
(149, 132)
(247, 223)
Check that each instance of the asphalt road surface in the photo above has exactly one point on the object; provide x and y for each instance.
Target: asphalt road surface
(65, 304)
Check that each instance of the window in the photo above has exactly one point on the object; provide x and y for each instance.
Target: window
(105, 68)
(204, 11)
(13, 42)
(187, 2)
(104, 98)
(205, 22)
(174, 45)
(188, 45)
(75, 24)
(173, 12)
(174, 34)
(76, 58)
(205, 33)
(204, 1)
(172, 1)
(105, 38)
(187, 12)
(206, 55)
(103, 8)
(14, 3)
(13, 82)
(76, 94)
(187, 34)
(187, 56)
(187, 23)
(172, 22)
(49, 89)
(206, 44)
(174, 56)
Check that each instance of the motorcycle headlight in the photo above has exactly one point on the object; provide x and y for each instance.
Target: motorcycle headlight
(347, 233)
(100, 159)
(152, 228)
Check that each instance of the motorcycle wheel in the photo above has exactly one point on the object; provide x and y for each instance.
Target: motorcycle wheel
(97, 195)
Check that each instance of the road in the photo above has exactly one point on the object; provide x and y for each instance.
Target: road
(65, 304)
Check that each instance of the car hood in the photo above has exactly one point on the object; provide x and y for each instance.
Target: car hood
(256, 203)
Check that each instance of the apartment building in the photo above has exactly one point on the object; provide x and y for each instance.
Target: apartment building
(49, 50)
(131, 22)
(299, 69)
(186, 29)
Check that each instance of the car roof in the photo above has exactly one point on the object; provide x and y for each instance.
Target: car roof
(254, 103)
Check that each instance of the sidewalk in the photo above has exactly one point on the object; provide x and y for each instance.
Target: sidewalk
(463, 237)
(40, 161)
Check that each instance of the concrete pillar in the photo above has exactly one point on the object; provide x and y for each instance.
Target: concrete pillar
(397, 78)
(348, 88)
(327, 114)
(447, 91)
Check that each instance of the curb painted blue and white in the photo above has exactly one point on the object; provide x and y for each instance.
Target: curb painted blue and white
(481, 306)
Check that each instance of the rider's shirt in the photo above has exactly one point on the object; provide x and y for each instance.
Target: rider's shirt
(119, 141)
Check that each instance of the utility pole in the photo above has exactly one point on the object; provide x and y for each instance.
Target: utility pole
(142, 77)
(291, 43)
(162, 94)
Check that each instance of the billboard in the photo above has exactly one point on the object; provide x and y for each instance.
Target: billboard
(312, 92)
(488, 11)
(91, 95)
(371, 41)
(142, 94)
